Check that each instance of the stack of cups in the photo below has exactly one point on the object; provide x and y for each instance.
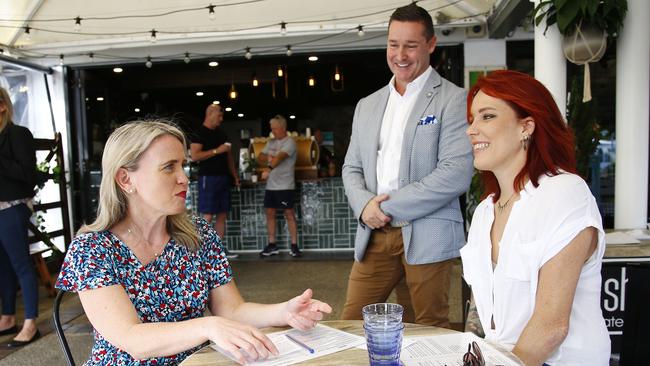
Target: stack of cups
(383, 327)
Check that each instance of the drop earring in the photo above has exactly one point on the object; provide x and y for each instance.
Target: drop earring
(525, 141)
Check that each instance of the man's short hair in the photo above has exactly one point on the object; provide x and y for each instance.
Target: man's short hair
(414, 13)
(280, 120)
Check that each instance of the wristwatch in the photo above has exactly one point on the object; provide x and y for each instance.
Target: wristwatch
(214, 151)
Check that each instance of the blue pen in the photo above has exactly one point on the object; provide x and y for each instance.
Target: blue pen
(311, 350)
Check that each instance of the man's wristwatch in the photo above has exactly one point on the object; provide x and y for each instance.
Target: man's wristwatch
(214, 151)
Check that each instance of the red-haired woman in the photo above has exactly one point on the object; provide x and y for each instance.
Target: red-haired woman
(534, 250)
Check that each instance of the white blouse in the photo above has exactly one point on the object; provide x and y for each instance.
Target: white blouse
(542, 222)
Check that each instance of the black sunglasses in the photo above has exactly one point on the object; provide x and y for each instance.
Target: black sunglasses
(473, 359)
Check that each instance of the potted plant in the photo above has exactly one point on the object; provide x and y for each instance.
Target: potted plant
(586, 26)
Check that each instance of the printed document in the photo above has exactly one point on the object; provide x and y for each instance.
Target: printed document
(322, 339)
(448, 350)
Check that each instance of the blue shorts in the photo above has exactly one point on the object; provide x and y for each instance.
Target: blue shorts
(214, 194)
(279, 199)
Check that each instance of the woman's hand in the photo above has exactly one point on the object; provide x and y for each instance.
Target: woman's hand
(245, 343)
(302, 312)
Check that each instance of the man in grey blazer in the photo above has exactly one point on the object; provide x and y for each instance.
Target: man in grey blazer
(408, 162)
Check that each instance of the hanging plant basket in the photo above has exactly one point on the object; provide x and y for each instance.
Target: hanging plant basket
(586, 26)
(585, 44)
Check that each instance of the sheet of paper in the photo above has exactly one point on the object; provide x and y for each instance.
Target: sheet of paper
(448, 349)
(323, 339)
(618, 238)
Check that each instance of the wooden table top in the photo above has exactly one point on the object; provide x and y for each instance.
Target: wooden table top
(353, 356)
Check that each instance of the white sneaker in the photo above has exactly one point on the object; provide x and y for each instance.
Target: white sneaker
(230, 255)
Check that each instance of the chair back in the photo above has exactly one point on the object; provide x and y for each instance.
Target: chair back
(59, 329)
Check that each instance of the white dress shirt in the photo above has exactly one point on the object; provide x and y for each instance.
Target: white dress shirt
(398, 110)
(542, 223)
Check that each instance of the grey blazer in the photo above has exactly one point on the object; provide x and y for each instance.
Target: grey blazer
(435, 168)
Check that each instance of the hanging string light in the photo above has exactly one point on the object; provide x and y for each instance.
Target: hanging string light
(213, 63)
(311, 81)
(360, 31)
(61, 59)
(256, 82)
(289, 51)
(92, 57)
(187, 58)
(283, 28)
(28, 35)
(211, 12)
(77, 24)
(280, 72)
(232, 93)
(337, 74)
(248, 55)
(153, 36)
(148, 64)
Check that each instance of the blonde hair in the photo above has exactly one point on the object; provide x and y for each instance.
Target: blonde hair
(5, 118)
(124, 149)
(280, 120)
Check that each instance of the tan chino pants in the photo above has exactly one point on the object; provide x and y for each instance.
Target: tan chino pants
(425, 295)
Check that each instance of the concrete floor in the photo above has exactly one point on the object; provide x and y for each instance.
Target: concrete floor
(268, 280)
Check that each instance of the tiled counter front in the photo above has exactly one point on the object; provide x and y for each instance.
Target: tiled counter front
(325, 220)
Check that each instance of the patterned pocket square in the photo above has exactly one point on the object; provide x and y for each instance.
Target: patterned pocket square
(428, 120)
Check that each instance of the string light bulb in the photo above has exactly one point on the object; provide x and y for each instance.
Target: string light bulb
(280, 72)
(77, 24)
(232, 93)
(213, 63)
(283, 28)
(360, 31)
(153, 36)
(311, 81)
(92, 57)
(248, 55)
(211, 14)
(187, 58)
(256, 82)
(337, 74)
(28, 35)
(61, 59)
(148, 64)
(289, 51)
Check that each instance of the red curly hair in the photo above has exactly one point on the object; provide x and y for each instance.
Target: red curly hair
(551, 146)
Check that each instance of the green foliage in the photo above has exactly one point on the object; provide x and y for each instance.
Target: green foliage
(581, 118)
(607, 15)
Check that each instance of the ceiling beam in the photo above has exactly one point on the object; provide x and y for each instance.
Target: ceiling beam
(468, 9)
(33, 8)
(25, 65)
(506, 16)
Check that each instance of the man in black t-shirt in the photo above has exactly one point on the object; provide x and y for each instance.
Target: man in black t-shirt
(211, 149)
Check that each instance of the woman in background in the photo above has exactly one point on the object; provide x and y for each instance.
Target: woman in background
(145, 271)
(17, 181)
(534, 251)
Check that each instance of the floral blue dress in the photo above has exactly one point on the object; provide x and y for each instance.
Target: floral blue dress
(173, 287)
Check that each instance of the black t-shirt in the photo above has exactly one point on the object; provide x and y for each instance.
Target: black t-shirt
(211, 139)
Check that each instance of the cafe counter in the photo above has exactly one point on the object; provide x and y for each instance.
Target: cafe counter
(324, 217)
